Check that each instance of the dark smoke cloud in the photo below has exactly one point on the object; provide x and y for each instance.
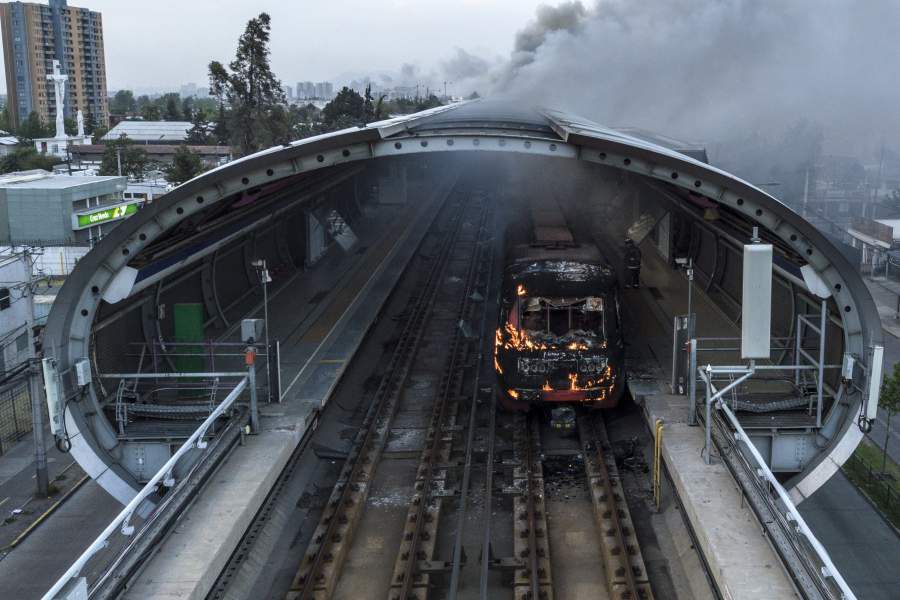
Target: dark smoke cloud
(716, 70)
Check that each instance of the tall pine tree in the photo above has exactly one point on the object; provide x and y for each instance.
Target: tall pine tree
(250, 90)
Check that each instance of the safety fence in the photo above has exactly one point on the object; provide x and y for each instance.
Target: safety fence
(877, 485)
(815, 558)
(141, 510)
(15, 414)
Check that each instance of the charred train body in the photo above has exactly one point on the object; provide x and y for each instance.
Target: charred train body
(559, 337)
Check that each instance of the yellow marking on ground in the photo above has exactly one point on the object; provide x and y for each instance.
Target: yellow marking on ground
(4, 501)
(46, 514)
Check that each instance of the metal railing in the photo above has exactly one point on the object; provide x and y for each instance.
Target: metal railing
(793, 524)
(165, 476)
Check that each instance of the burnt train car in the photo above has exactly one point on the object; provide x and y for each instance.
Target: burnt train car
(559, 338)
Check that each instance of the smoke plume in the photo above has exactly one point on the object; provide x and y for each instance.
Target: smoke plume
(715, 71)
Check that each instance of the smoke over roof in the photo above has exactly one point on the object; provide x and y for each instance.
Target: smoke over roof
(712, 70)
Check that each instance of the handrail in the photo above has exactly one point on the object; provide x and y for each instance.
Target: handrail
(828, 569)
(164, 473)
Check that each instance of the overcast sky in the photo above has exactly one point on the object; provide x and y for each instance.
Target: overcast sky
(165, 43)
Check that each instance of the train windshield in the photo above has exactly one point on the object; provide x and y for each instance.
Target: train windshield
(590, 317)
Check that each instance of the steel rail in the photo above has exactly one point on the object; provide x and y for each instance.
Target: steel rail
(470, 440)
(409, 554)
(360, 465)
(532, 579)
(626, 573)
(488, 500)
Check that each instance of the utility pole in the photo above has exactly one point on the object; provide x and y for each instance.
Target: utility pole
(37, 423)
(34, 391)
(119, 159)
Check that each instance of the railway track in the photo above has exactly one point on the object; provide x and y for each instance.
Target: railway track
(432, 392)
(439, 320)
(623, 562)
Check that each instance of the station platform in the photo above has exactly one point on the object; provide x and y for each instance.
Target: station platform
(741, 559)
(316, 347)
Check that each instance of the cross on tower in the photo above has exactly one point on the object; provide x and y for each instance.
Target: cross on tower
(59, 83)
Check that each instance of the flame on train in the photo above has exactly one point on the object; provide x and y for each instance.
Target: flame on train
(559, 338)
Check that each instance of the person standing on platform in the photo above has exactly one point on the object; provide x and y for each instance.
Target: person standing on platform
(633, 263)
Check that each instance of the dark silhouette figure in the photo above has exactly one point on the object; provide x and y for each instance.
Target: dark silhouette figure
(633, 263)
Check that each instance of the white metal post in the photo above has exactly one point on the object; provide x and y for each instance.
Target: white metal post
(708, 438)
(821, 381)
(798, 339)
(692, 382)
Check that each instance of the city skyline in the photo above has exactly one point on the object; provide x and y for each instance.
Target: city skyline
(306, 41)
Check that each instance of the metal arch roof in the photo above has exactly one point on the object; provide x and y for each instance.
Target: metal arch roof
(469, 126)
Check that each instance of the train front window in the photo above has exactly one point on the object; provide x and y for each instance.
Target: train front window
(560, 317)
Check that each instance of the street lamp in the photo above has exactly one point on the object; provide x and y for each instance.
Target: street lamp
(264, 278)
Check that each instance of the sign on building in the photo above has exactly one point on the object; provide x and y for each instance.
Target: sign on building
(110, 213)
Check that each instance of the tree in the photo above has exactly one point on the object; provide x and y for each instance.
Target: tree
(250, 89)
(89, 123)
(133, 159)
(346, 110)
(123, 103)
(187, 109)
(198, 134)
(33, 128)
(26, 159)
(220, 133)
(890, 402)
(171, 110)
(150, 112)
(5, 125)
(185, 166)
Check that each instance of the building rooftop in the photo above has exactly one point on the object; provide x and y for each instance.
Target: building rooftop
(41, 180)
(150, 131)
(99, 149)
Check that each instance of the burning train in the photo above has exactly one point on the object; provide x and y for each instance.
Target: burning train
(559, 338)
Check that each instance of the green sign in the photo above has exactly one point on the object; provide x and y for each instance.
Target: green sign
(107, 214)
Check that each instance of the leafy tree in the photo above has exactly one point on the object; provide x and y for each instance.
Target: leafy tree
(474, 96)
(70, 126)
(250, 89)
(98, 133)
(33, 128)
(5, 124)
(199, 134)
(25, 159)
(123, 103)
(133, 159)
(151, 112)
(890, 402)
(89, 123)
(346, 110)
(185, 166)
(171, 110)
(187, 109)
(221, 133)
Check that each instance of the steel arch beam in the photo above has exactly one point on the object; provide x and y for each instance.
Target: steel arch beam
(469, 127)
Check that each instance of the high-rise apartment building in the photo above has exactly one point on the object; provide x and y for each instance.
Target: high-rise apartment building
(34, 35)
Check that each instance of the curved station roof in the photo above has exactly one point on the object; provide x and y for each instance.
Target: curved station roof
(119, 265)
